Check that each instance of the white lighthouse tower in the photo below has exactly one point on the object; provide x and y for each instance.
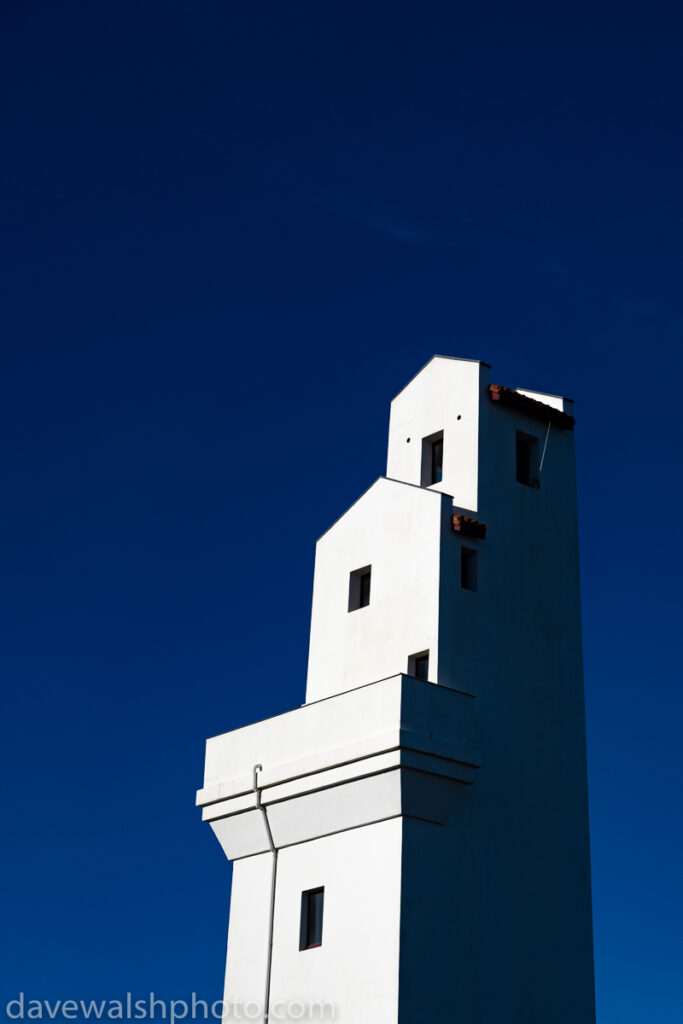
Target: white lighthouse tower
(411, 844)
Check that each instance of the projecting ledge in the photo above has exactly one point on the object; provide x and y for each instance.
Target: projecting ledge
(396, 747)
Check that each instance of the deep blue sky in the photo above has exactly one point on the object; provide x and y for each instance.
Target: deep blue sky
(231, 232)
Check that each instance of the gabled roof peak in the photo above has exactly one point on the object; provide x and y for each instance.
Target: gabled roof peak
(453, 359)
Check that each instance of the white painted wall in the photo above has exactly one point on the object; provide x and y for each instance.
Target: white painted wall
(485, 917)
(444, 396)
(398, 746)
(357, 965)
(245, 972)
(356, 968)
(308, 738)
(396, 529)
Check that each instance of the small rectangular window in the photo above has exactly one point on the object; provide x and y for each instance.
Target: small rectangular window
(359, 588)
(418, 665)
(432, 459)
(468, 569)
(311, 931)
(526, 453)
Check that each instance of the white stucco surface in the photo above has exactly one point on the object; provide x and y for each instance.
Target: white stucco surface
(444, 396)
(447, 819)
(397, 531)
(245, 976)
(340, 763)
(357, 966)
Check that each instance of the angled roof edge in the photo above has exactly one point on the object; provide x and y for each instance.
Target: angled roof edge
(389, 480)
(548, 394)
(455, 359)
(525, 403)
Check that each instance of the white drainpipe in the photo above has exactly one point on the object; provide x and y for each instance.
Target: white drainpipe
(271, 916)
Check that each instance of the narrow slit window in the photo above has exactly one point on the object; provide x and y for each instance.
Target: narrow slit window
(359, 588)
(468, 569)
(526, 455)
(365, 589)
(437, 461)
(432, 459)
(418, 665)
(311, 931)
